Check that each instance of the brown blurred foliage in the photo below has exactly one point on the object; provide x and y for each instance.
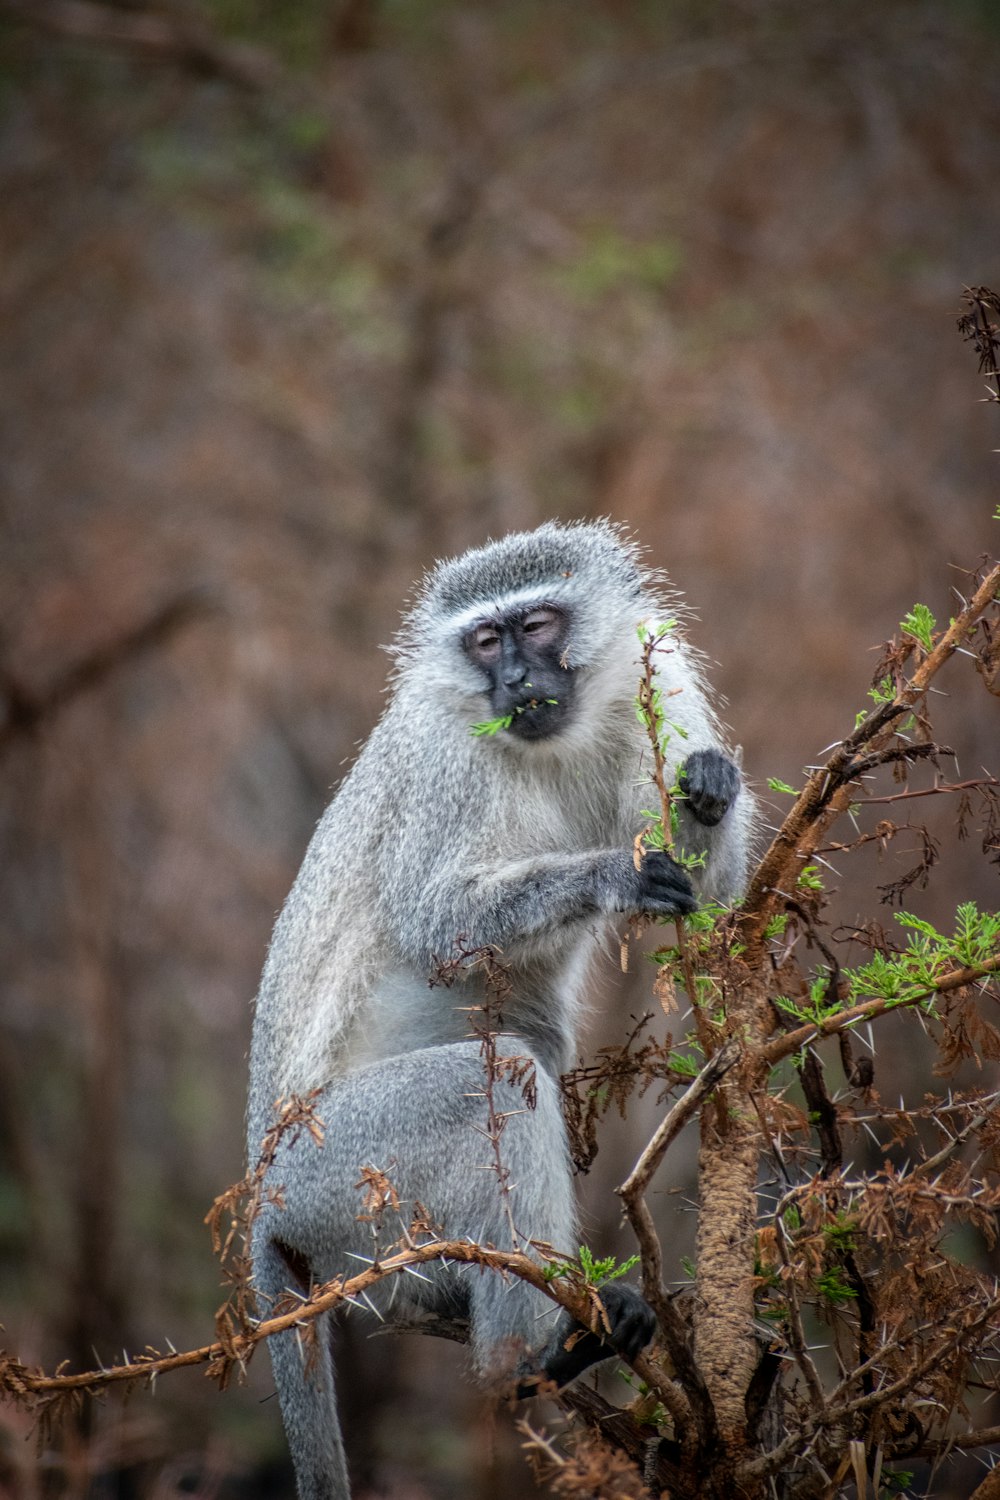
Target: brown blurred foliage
(287, 314)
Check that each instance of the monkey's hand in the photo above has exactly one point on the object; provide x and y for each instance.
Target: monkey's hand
(710, 781)
(664, 886)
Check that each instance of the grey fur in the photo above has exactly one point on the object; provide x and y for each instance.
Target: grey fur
(437, 834)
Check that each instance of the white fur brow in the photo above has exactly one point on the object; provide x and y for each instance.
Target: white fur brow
(501, 604)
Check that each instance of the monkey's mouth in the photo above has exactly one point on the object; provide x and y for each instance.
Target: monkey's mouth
(535, 718)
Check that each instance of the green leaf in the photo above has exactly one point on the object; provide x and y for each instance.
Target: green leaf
(920, 624)
(781, 786)
(883, 692)
(687, 1067)
(492, 726)
(833, 1288)
(591, 1269)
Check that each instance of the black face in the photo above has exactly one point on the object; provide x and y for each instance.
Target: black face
(522, 656)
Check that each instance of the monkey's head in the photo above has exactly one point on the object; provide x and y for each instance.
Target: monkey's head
(532, 632)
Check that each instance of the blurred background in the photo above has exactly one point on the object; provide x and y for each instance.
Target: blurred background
(295, 299)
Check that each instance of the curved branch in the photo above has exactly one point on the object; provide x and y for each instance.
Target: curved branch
(29, 1387)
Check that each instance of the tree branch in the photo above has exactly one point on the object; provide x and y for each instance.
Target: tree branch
(825, 794)
(793, 1041)
(181, 38)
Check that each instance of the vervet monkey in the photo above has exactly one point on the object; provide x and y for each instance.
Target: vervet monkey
(520, 837)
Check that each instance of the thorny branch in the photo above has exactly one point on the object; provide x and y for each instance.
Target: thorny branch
(652, 713)
(979, 329)
(632, 1193)
(836, 1412)
(33, 1386)
(826, 793)
(791, 1042)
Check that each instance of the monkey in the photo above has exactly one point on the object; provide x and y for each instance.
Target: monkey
(495, 804)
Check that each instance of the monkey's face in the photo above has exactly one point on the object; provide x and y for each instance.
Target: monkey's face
(522, 656)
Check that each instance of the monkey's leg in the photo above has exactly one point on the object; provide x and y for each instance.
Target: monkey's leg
(423, 1119)
(303, 1375)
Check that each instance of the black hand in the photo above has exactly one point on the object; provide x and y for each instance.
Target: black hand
(710, 782)
(664, 887)
(631, 1319)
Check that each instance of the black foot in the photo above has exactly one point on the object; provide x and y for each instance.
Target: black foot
(632, 1324)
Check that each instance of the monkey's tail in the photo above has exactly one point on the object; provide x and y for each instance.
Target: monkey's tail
(303, 1374)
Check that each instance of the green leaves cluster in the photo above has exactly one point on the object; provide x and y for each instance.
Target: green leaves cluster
(928, 955)
(883, 692)
(491, 726)
(908, 976)
(588, 1268)
(494, 726)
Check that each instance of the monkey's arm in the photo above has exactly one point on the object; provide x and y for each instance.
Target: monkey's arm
(530, 898)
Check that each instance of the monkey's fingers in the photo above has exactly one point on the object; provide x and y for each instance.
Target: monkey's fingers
(710, 781)
(665, 887)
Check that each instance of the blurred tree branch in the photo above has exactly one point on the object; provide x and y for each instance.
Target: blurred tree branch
(23, 710)
(178, 36)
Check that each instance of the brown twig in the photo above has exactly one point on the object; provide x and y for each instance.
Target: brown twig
(632, 1193)
(837, 1412)
(653, 718)
(486, 1022)
(977, 327)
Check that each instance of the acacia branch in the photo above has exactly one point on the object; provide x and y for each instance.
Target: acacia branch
(636, 1183)
(835, 1414)
(825, 794)
(28, 1386)
(632, 1192)
(653, 719)
(793, 1041)
(939, 789)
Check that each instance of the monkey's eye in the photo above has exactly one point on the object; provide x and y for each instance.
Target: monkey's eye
(541, 622)
(485, 640)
